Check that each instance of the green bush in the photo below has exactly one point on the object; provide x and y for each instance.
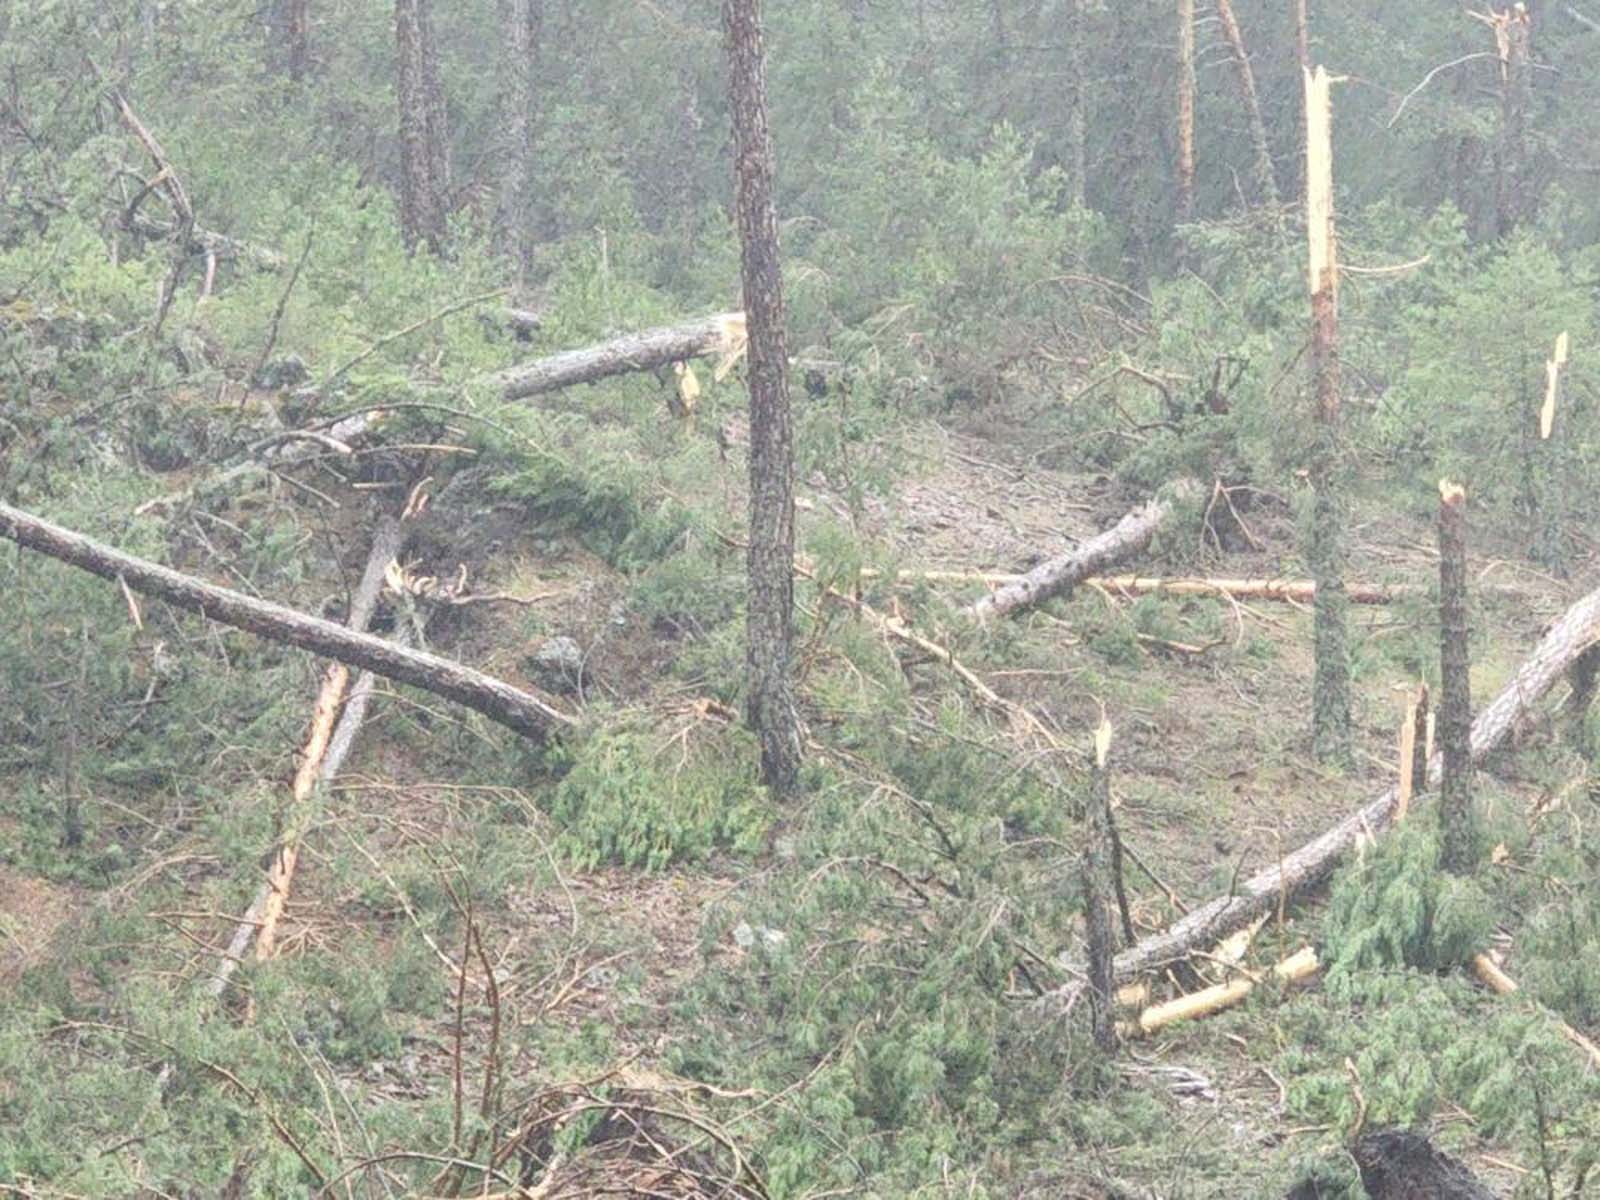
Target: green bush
(643, 801)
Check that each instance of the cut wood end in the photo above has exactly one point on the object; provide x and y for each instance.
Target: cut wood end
(1452, 492)
(1102, 743)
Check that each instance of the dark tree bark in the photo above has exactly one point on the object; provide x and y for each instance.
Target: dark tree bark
(1099, 883)
(1330, 697)
(424, 161)
(521, 23)
(1584, 677)
(499, 701)
(1185, 109)
(1266, 182)
(771, 709)
(1458, 835)
(1419, 734)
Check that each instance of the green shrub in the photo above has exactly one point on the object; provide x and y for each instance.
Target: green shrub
(643, 801)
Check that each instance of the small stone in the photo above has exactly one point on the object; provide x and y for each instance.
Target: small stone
(743, 936)
(558, 664)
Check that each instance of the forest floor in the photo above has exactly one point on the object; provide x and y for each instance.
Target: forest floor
(1213, 781)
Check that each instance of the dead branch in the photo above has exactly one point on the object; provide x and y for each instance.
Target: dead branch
(1060, 575)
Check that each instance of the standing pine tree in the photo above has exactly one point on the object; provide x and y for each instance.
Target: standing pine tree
(771, 710)
(424, 150)
(1457, 836)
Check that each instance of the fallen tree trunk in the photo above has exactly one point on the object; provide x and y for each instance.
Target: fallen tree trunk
(1060, 575)
(722, 334)
(1575, 632)
(1297, 591)
(512, 707)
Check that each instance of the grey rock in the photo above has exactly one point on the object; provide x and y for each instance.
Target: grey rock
(558, 664)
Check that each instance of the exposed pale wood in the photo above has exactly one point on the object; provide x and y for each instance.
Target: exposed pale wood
(325, 749)
(513, 707)
(1298, 966)
(1060, 575)
(1569, 637)
(320, 760)
(1295, 591)
(1552, 387)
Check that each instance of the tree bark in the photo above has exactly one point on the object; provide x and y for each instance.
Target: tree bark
(1514, 39)
(1077, 109)
(1266, 183)
(1060, 575)
(1566, 640)
(1185, 109)
(521, 22)
(1457, 829)
(771, 710)
(722, 334)
(1098, 884)
(424, 174)
(512, 707)
(1330, 696)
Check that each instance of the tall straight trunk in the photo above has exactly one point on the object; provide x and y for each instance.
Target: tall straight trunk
(1302, 34)
(424, 174)
(1185, 109)
(1266, 183)
(771, 710)
(521, 22)
(1457, 832)
(1514, 41)
(1098, 885)
(1330, 700)
(297, 36)
(1077, 114)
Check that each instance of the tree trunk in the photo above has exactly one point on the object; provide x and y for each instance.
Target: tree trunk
(1098, 884)
(1576, 631)
(1514, 39)
(424, 175)
(771, 709)
(521, 22)
(1302, 34)
(1457, 829)
(1330, 697)
(722, 334)
(499, 701)
(1185, 109)
(1077, 109)
(1266, 183)
(1060, 575)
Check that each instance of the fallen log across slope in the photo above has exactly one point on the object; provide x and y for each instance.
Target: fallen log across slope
(510, 706)
(721, 335)
(644, 351)
(1565, 641)
(1061, 574)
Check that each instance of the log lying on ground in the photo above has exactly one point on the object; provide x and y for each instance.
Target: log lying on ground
(512, 707)
(721, 334)
(1575, 632)
(1298, 591)
(1060, 575)
(1302, 964)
